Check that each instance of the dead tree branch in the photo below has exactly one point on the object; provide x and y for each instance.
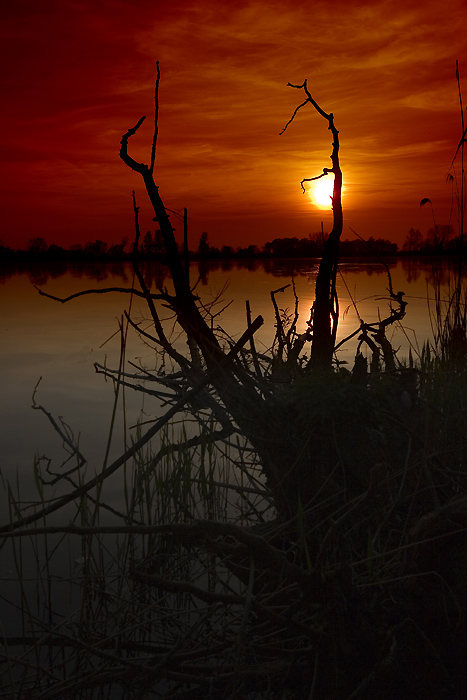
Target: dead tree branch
(325, 312)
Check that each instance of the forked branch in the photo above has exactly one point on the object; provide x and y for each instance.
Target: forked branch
(325, 311)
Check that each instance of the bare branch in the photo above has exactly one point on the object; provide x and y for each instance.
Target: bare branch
(326, 171)
(183, 362)
(309, 99)
(105, 290)
(133, 164)
(140, 330)
(252, 343)
(280, 335)
(137, 228)
(105, 473)
(324, 114)
(74, 448)
(110, 373)
(293, 115)
(156, 118)
(325, 307)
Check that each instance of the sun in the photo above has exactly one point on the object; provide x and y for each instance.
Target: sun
(322, 192)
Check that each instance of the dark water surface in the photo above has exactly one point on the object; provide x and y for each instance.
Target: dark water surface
(60, 342)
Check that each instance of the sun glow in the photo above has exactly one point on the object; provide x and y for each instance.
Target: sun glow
(322, 192)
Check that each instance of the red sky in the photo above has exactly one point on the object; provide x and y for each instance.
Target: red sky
(76, 75)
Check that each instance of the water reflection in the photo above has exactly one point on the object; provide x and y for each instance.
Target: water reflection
(412, 269)
(156, 273)
(60, 342)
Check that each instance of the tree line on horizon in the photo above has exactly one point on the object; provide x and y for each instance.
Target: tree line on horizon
(439, 239)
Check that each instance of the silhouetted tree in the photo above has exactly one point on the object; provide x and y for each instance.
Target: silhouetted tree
(96, 248)
(251, 251)
(37, 245)
(56, 251)
(438, 236)
(413, 241)
(117, 250)
(203, 245)
(147, 244)
(158, 243)
(325, 310)
(283, 248)
(227, 251)
(317, 239)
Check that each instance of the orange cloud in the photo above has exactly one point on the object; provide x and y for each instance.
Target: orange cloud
(79, 74)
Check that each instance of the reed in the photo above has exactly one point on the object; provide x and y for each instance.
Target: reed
(190, 586)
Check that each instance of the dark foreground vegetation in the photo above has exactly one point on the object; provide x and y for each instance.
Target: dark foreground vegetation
(306, 539)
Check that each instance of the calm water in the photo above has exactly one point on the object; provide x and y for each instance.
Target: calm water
(60, 342)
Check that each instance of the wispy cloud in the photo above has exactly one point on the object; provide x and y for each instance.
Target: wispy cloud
(79, 73)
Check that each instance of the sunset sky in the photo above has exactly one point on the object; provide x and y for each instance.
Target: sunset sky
(76, 75)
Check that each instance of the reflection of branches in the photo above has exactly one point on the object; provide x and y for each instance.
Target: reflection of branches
(280, 336)
(289, 342)
(168, 347)
(62, 431)
(374, 334)
(385, 265)
(137, 445)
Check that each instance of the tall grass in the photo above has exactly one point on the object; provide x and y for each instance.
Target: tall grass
(188, 586)
(87, 618)
(450, 308)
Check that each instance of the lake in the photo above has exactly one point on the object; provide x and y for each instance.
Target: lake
(59, 343)
(45, 579)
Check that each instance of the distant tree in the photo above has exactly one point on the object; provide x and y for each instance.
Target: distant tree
(294, 248)
(359, 247)
(457, 244)
(267, 248)
(353, 248)
(4, 249)
(380, 245)
(116, 250)
(413, 241)
(56, 251)
(76, 251)
(282, 247)
(303, 248)
(438, 236)
(153, 244)
(317, 237)
(159, 248)
(97, 248)
(227, 251)
(147, 246)
(251, 251)
(37, 245)
(203, 245)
